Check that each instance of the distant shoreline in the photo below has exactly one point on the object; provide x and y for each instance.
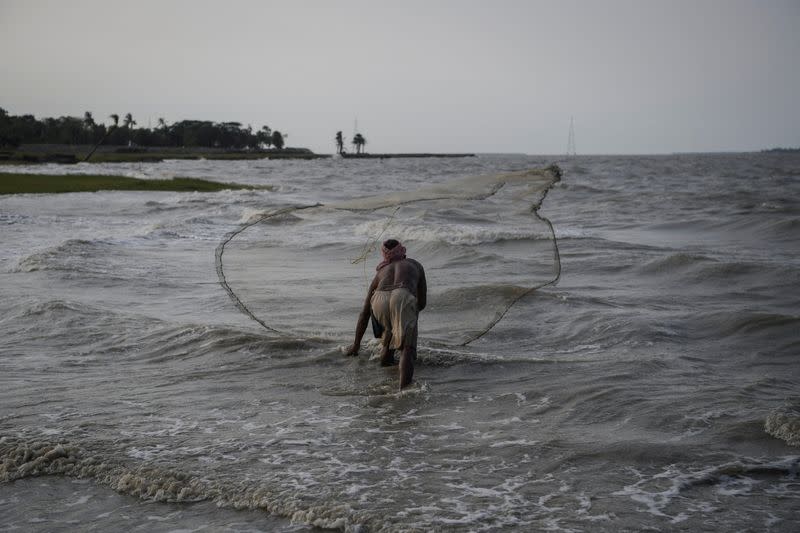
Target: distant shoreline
(32, 154)
(781, 150)
(28, 154)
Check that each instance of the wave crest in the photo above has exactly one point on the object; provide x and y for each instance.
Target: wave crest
(784, 423)
(20, 459)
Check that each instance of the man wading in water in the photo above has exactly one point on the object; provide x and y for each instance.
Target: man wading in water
(397, 294)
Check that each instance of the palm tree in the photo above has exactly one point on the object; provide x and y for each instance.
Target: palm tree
(359, 141)
(161, 133)
(113, 127)
(127, 123)
(339, 142)
(88, 120)
(89, 124)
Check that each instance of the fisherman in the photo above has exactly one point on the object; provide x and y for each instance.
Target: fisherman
(397, 294)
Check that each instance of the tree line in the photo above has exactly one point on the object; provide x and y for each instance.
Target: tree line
(27, 129)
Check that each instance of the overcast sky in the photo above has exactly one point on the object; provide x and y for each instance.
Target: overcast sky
(486, 76)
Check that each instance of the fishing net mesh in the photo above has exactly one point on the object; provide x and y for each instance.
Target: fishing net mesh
(303, 271)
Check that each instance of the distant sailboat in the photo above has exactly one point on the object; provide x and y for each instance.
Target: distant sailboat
(571, 138)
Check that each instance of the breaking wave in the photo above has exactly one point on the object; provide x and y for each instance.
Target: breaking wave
(73, 255)
(20, 459)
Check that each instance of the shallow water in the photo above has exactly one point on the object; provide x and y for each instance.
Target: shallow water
(654, 387)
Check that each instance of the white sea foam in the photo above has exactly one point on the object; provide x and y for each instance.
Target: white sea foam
(454, 234)
(784, 423)
(660, 492)
(514, 442)
(80, 501)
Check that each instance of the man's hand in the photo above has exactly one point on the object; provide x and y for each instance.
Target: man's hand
(352, 350)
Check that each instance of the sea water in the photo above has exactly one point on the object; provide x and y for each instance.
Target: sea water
(655, 386)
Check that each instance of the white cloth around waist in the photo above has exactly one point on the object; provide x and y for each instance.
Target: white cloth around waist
(396, 310)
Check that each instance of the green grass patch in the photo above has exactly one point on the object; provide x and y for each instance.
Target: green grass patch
(43, 183)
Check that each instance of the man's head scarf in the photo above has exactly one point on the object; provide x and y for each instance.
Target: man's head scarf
(395, 254)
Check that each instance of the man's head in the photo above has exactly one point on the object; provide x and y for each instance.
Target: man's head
(391, 250)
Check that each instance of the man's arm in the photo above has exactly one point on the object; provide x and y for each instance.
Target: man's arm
(363, 318)
(422, 289)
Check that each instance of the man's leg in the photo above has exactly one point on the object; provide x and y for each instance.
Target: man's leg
(381, 316)
(387, 353)
(407, 357)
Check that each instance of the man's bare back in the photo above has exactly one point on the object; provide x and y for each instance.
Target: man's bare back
(405, 273)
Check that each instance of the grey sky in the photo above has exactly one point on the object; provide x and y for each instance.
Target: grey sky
(499, 76)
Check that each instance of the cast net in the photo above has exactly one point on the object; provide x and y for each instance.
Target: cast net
(303, 271)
